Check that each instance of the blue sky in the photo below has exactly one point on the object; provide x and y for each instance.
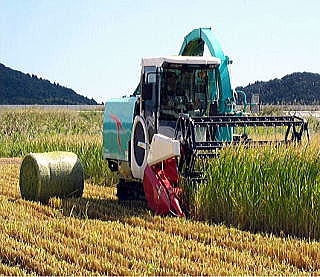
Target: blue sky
(95, 46)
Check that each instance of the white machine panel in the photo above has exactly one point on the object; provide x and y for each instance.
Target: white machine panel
(162, 148)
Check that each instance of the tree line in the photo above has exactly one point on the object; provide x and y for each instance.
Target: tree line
(18, 88)
(296, 88)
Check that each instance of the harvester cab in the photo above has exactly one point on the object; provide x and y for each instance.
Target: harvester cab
(175, 85)
(182, 112)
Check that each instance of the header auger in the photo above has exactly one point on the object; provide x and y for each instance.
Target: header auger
(183, 110)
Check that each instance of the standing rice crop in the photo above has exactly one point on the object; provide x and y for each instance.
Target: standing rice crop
(272, 189)
(37, 130)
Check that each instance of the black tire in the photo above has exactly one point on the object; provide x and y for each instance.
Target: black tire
(129, 190)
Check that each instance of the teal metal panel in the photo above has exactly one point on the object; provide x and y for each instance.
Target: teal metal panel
(193, 45)
(206, 35)
(117, 127)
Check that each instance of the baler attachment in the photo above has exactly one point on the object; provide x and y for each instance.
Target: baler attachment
(203, 137)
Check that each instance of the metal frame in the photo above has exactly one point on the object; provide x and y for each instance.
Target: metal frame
(193, 149)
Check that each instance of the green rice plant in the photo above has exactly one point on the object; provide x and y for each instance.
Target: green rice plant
(272, 189)
(269, 110)
(88, 149)
(35, 130)
(314, 124)
(30, 123)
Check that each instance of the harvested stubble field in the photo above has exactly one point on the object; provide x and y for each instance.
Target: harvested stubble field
(98, 235)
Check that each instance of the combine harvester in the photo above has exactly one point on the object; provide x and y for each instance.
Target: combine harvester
(183, 110)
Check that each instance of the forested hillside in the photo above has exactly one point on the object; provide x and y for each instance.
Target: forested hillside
(295, 88)
(18, 88)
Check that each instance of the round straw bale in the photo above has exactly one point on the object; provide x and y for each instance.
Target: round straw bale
(53, 174)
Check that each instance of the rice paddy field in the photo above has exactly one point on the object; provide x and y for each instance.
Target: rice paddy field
(258, 214)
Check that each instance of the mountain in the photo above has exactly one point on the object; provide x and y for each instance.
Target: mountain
(295, 88)
(17, 88)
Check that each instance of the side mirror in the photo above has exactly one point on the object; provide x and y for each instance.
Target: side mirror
(146, 93)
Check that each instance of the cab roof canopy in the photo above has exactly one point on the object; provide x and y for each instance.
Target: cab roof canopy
(159, 61)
